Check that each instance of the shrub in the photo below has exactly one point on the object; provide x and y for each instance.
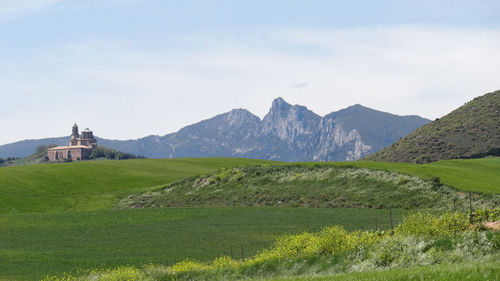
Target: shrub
(293, 245)
(484, 215)
(427, 224)
(44, 148)
(436, 183)
(187, 265)
(104, 152)
(329, 241)
(224, 262)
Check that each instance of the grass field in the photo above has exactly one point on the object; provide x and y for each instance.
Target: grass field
(57, 218)
(95, 185)
(34, 245)
(479, 175)
(419, 241)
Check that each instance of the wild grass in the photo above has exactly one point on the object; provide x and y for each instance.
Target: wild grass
(473, 271)
(322, 186)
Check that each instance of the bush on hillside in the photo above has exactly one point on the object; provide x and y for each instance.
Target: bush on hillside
(486, 215)
(44, 148)
(430, 225)
(436, 183)
(108, 153)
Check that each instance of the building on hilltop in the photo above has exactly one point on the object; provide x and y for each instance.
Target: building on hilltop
(80, 147)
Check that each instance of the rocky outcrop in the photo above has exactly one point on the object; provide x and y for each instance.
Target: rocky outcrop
(287, 133)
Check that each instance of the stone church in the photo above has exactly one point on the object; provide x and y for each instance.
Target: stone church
(80, 147)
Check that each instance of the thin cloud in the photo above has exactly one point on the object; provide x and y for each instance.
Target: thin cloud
(403, 69)
(299, 85)
(11, 9)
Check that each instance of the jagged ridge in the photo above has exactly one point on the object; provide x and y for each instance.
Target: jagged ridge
(287, 133)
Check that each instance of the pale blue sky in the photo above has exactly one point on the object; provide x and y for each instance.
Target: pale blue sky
(131, 68)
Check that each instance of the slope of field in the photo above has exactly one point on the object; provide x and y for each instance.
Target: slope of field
(471, 131)
(478, 175)
(322, 186)
(34, 245)
(95, 185)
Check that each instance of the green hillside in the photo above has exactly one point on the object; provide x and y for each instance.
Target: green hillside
(40, 156)
(95, 185)
(309, 186)
(471, 131)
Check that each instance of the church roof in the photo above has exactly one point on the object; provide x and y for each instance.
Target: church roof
(66, 147)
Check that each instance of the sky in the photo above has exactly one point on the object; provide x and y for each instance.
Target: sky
(131, 68)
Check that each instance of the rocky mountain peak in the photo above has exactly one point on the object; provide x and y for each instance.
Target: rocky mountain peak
(238, 117)
(279, 106)
(287, 122)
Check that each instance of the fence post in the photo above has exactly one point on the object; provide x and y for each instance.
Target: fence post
(242, 253)
(390, 215)
(470, 209)
(376, 224)
(231, 252)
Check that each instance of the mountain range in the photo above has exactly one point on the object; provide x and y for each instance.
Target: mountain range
(286, 133)
(470, 131)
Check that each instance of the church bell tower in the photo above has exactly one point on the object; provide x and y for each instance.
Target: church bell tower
(74, 135)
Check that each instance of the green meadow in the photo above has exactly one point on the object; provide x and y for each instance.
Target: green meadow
(95, 185)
